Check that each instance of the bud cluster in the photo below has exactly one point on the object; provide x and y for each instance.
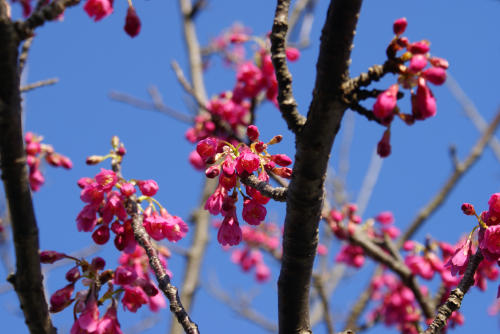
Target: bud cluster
(35, 152)
(231, 163)
(415, 68)
(106, 196)
(130, 282)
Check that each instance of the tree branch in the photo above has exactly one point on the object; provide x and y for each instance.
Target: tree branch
(27, 280)
(49, 12)
(452, 181)
(306, 191)
(286, 101)
(456, 296)
(276, 193)
(39, 84)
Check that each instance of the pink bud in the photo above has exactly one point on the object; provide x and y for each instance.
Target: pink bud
(408, 245)
(421, 47)
(436, 75)
(212, 171)
(468, 209)
(73, 274)
(423, 103)
(399, 26)
(148, 187)
(283, 172)
(101, 235)
(51, 256)
(207, 148)
(252, 133)
(417, 63)
(281, 159)
(386, 102)
(292, 54)
(439, 62)
(127, 189)
(132, 23)
(260, 147)
(98, 263)
(384, 145)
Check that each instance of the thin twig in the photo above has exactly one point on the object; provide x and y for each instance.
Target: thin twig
(23, 57)
(186, 85)
(276, 193)
(38, 84)
(452, 181)
(141, 104)
(318, 285)
(286, 101)
(472, 112)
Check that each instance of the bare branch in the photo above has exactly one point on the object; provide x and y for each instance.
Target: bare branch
(38, 84)
(46, 13)
(141, 104)
(472, 112)
(186, 85)
(452, 181)
(286, 101)
(318, 285)
(278, 193)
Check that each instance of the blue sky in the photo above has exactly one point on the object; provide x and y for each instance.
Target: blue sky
(78, 119)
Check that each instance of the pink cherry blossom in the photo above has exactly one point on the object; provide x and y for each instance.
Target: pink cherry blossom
(229, 231)
(98, 9)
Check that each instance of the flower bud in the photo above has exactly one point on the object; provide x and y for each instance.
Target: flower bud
(94, 160)
(207, 148)
(252, 133)
(51, 256)
(132, 23)
(384, 145)
(417, 63)
(292, 54)
(468, 209)
(212, 171)
(421, 47)
(276, 139)
(436, 75)
(281, 159)
(399, 26)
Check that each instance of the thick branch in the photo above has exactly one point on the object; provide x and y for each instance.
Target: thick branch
(456, 296)
(314, 142)
(276, 193)
(286, 101)
(39, 17)
(27, 280)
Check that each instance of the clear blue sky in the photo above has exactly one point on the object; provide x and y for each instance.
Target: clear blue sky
(78, 119)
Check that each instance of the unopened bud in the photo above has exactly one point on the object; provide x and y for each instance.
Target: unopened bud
(115, 142)
(252, 133)
(276, 139)
(212, 171)
(94, 160)
(51, 256)
(399, 26)
(468, 209)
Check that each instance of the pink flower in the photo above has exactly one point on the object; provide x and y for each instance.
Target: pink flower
(89, 318)
(154, 223)
(87, 218)
(98, 8)
(207, 148)
(109, 323)
(247, 162)
(114, 206)
(215, 201)
(148, 187)
(385, 218)
(132, 22)
(229, 231)
(436, 75)
(399, 26)
(253, 212)
(255, 193)
(124, 276)
(489, 242)
(196, 161)
(385, 103)
(423, 103)
(292, 54)
(262, 272)
(494, 202)
(175, 229)
(106, 179)
(351, 255)
(36, 180)
(127, 189)
(133, 298)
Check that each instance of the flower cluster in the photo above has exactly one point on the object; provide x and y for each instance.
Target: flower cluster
(231, 163)
(35, 152)
(230, 112)
(99, 9)
(415, 68)
(344, 222)
(130, 281)
(398, 306)
(106, 197)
